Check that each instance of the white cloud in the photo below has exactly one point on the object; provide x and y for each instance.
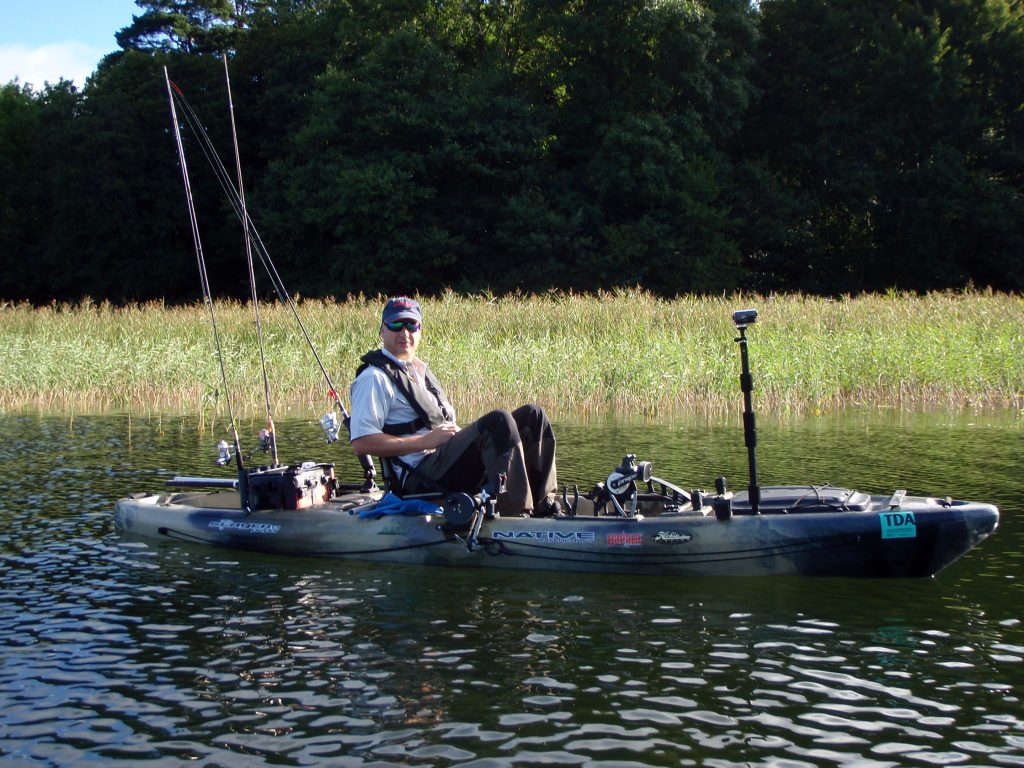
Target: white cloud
(48, 63)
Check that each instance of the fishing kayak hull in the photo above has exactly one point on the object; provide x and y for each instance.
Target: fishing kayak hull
(918, 538)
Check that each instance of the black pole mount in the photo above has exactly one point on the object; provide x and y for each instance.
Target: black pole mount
(742, 319)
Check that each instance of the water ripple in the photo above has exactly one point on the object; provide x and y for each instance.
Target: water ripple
(120, 652)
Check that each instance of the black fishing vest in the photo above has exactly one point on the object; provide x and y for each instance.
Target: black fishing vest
(429, 402)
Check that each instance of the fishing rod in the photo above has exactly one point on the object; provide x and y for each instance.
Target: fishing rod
(221, 173)
(268, 437)
(243, 478)
(329, 422)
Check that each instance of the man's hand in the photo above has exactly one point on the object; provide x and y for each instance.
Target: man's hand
(438, 436)
(395, 445)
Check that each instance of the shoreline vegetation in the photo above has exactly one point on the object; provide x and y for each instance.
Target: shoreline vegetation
(576, 354)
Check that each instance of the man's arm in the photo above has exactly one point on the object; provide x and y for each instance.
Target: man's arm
(381, 444)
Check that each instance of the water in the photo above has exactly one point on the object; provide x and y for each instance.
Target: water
(115, 652)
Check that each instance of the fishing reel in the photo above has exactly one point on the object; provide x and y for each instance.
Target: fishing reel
(620, 487)
(224, 454)
(266, 440)
(622, 482)
(330, 426)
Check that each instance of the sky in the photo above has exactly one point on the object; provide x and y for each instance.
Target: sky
(44, 40)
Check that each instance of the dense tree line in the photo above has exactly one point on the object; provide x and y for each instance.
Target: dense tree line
(496, 145)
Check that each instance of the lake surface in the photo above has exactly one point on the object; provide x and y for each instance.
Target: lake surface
(115, 652)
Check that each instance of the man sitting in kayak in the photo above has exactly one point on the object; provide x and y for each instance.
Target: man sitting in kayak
(401, 413)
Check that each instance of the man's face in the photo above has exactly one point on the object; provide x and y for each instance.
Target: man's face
(402, 342)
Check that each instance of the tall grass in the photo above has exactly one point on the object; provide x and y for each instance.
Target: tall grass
(575, 354)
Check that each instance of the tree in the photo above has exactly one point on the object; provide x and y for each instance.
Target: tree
(887, 126)
(192, 26)
(641, 99)
(405, 170)
(124, 231)
(23, 204)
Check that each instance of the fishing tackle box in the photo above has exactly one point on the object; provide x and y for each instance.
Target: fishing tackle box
(292, 487)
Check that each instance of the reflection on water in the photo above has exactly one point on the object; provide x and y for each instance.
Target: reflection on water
(116, 651)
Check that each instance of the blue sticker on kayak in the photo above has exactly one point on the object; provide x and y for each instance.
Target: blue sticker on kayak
(243, 526)
(898, 525)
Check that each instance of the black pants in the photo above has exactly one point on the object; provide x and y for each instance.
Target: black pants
(519, 445)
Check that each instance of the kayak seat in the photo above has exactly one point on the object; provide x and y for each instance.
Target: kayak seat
(392, 484)
(391, 479)
(387, 473)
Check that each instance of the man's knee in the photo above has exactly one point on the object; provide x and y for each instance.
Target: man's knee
(532, 422)
(501, 426)
(528, 414)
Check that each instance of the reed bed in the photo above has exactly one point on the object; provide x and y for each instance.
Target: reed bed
(625, 352)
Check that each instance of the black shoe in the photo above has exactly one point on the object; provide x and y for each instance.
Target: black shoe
(548, 508)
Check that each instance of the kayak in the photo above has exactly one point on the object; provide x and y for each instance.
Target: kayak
(660, 530)
(630, 523)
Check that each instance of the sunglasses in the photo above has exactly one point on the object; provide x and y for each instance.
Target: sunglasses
(396, 327)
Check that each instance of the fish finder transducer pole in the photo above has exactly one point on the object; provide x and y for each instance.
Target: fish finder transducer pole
(742, 319)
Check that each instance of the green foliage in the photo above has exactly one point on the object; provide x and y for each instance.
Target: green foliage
(888, 125)
(686, 146)
(21, 202)
(191, 26)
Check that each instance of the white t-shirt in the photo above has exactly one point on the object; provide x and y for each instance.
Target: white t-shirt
(376, 402)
